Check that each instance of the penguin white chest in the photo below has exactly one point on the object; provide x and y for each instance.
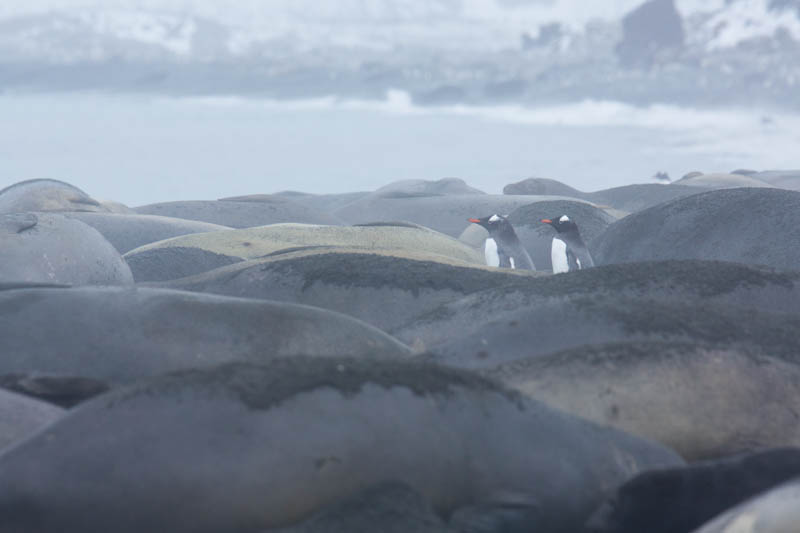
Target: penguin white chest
(490, 253)
(558, 255)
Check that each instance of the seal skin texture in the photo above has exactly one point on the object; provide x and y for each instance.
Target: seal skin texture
(243, 447)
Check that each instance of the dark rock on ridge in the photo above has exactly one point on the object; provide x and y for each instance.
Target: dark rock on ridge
(649, 33)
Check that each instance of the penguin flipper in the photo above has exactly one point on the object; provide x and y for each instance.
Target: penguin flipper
(505, 260)
(572, 261)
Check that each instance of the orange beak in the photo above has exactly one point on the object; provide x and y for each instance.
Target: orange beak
(474, 220)
(547, 221)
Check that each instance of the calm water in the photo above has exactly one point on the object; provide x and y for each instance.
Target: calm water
(140, 150)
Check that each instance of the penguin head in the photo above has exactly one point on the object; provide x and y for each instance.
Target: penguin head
(562, 224)
(493, 223)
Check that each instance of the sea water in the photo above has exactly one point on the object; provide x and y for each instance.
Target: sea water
(142, 149)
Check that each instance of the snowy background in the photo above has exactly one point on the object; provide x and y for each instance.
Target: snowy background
(440, 51)
(178, 99)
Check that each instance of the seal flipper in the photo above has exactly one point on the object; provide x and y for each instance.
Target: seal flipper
(64, 391)
(18, 222)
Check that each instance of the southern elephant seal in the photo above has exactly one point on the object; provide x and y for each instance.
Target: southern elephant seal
(383, 288)
(46, 195)
(714, 303)
(388, 508)
(52, 248)
(128, 231)
(21, 417)
(205, 450)
(701, 401)
(192, 254)
(241, 212)
(114, 336)
(754, 226)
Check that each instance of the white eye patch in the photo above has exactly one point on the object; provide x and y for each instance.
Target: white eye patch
(494, 218)
(564, 218)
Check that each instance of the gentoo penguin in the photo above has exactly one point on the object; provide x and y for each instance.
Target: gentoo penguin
(568, 251)
(503, 248)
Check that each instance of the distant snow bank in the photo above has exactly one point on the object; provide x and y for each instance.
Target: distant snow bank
(587, 113)
(382, 24)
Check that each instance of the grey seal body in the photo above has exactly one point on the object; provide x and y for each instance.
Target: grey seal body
(756, 226)
(697, 301)
(52, 248)
(116, 335)
(247, 447)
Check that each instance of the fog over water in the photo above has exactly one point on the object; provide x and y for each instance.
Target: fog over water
(146, 149)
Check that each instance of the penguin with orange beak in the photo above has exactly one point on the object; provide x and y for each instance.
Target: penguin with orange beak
(503, 247)
(568, 251)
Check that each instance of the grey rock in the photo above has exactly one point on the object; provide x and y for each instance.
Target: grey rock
(650, 31)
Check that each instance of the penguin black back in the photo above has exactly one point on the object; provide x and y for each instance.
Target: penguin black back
(568, 251)
(503, 248)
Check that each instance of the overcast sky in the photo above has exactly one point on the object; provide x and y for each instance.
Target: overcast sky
(249, 11)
